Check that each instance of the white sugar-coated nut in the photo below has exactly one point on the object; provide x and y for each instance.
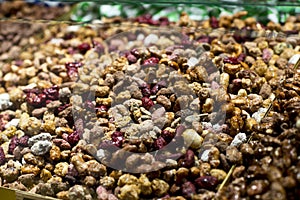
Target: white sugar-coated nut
(151, 39)
(5, 101)
(56, 41)
(259, 114)
(29, 86)
(39, 137)
(238, 139)
(294, 59)
(13, 122)
(205, 155)
(192, 61)
(73, 28)
(41, 147)
(4, 96)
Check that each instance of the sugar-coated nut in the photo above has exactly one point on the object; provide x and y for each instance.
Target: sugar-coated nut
(181, 174)
(49, 125)
(102, 91)
(95, 169)
(65, 154)
(61, 169)
(262, 45)
(38, 112)
(159, 187)
(122, 96)
(30, 125)
(163, 100)
(89, 181)
(103, 194)
(9, 174)
(16, 95)
(208, 105)
(61, 143)
(80, 87)
(236, 123)
(45, 175)
(281, 63)
(238, 171)
(207, 182)
(250, 122)
(192, 138)
(278, 48)
(195, 171)
(188, 160)
(246, 149)
(232, 69)
(5, 101)
(260, 67)
(195, 104)
(41, 147)
(239, 101)
(206, 195)
(255, 52)
(169, 175)
(60, 130)
(242, 93)
(289, 182)
(129, 192)
(239, 139)
(188, 189)
(224, 80)
(3, 139)
(116, 174)
(79, 192)
(33, 159)
(233, 155)
(104, 101)
(30, 169)
(55, 153)
(257, 187)
(64, 195)
(145, 185)
(27, 180)
(218, 173)
(127, 179)
(204, 169)
(44, 189)
(39, 137)
(107, 182)
(10, 131)
(79, 163)
(265, 90)
(214, 154)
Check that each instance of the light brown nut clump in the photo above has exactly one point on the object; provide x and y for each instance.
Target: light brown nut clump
(159, 187)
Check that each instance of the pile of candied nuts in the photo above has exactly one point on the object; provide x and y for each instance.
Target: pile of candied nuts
(122, 110)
